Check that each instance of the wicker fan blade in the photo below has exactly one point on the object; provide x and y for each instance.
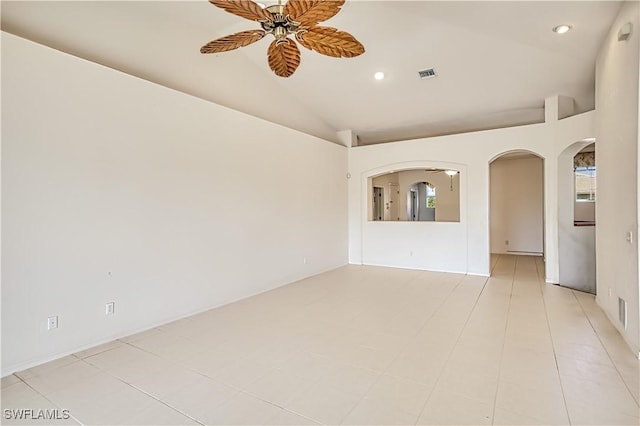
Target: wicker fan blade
(331, 42)
(310, 12)
(284, 57)
(244, 8)
(233, 41)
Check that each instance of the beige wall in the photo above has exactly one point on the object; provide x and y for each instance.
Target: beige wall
(584, 211)
(517, 205)
(617, 159)
(115, 189)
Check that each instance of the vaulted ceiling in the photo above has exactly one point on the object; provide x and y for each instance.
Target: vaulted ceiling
(495, 61)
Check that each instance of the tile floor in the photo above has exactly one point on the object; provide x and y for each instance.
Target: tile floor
(359, 345)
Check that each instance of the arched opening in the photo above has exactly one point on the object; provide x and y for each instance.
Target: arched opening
(576, 216)
(421, 202)
(440, 245)
(415, 195)
(516, 204)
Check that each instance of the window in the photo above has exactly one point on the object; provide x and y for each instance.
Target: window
(431, 196)
(585, 183)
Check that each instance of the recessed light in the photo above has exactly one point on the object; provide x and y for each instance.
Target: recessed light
(561, 29)
(379, 75)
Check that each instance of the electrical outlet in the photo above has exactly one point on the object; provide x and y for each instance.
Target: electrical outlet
(52, 322)
(411, 253)
(506, 242)
(609, 291)
(304, 260)
(110, 308)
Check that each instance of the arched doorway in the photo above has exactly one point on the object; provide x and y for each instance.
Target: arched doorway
(516, 204)
(421, 204)
(576, 217)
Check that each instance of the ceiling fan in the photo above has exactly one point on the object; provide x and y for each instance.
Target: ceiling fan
(299, 18)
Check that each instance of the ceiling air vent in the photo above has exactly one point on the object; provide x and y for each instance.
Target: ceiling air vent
(429, 73)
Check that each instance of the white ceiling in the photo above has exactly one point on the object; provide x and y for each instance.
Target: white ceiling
(496, 61)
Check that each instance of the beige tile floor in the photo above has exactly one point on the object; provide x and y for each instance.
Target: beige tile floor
(360, 345)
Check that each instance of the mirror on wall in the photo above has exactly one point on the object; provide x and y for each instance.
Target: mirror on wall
(415, 195)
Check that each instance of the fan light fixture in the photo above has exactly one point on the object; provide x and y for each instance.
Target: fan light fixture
(451, 174)
(561, 29)
(296, 18)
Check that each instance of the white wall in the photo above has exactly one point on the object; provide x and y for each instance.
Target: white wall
(617, 155)
(516, 205)
(463, 246)
(116, 189)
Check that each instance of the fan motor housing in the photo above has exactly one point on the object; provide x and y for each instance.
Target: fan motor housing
(281, 26)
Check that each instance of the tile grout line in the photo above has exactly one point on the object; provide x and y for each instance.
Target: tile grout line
(504, 340)
(53, 403)
(492, 268)
(151, 395)
(541, 284)
(545, 291)
(187, 368)
(424, 405)
(239, 390)
(161, 401)
(133, 386)
(605, 347)
(142, 390)
(409, 340)
(289, 410)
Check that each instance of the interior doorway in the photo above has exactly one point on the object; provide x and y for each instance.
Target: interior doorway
(378, 203)
(422, 205)
(394, 198)
(516, 204)
(413, 204)
(576, 216)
